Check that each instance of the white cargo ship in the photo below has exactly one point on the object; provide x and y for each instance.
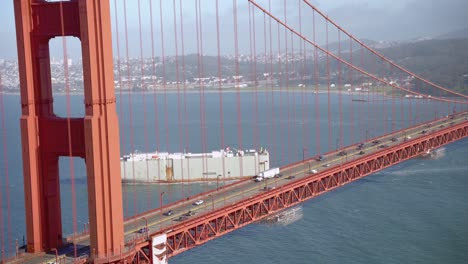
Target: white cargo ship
(221, 165)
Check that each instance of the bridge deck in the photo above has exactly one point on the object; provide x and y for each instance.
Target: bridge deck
(244, 191)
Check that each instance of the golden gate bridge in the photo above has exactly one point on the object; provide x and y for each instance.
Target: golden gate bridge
(286, 68)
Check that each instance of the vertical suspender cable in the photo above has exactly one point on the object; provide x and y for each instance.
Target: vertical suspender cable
(340, 90)
(366, 120)
(239, 114)
(268, 79)
(164, 81)
(281, 83)
(155, 100)
(184, 78)
(201, 85)
(256, 129)
(274, 155)
(293, 138)
(351, 106)
(69, 131)
(329, 99)
(220, 88)
(383, 93)
(130, 108)
(286, 84)
(253, 56)
(317, 83)
(304, 96)
(121, 111)
(179, 110)
(203, 106)
(7, 184)
(144, 88)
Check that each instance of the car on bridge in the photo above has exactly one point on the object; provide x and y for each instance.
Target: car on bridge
(327, 165)
(342, 153)
(181, 218)
(268, 188)
(375, 142)
(258, 179)
(320, 158)
(189, 213)
(143, 230)
(394, 139)
(168, 213)
(313, 171)
(291, 177)
(278, 175)
(198, 202)
(362, 152)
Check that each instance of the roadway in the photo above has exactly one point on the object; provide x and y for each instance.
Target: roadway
(156, 221)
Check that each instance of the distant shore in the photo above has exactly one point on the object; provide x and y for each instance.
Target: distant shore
(234, 90)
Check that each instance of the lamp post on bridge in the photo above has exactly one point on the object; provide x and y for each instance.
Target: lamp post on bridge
(303, 153)
(212, 202)
(146, 226)
(217, 182)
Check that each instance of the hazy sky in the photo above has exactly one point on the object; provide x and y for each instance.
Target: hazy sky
(376, 20)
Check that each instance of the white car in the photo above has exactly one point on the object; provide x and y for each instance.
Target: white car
(198, 202)
(327, 165)
(313, 171)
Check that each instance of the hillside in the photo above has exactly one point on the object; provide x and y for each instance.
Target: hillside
(443, 62)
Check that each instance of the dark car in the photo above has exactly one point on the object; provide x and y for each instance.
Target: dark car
(168, 213)
(394, 139)
(278, 175)
(342, 153)
(291, 177)
(383, 146)
(189, 213)
(320, 158)
(181, 218)
(362, 152)
(143, 230)
(424, 132)
(375, 142)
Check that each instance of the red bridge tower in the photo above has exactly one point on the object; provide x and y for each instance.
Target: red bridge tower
(45, 136)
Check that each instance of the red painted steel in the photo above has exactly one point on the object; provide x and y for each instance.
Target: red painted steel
(195, 232)
(45, 137)
(198, 231)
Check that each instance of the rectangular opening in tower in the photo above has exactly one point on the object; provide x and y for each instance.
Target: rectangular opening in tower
(66, 76)
(74, 196)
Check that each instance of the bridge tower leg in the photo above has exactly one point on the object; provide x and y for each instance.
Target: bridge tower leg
(45, 136)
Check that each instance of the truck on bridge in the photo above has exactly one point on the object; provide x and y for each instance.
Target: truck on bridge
(267, 174)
